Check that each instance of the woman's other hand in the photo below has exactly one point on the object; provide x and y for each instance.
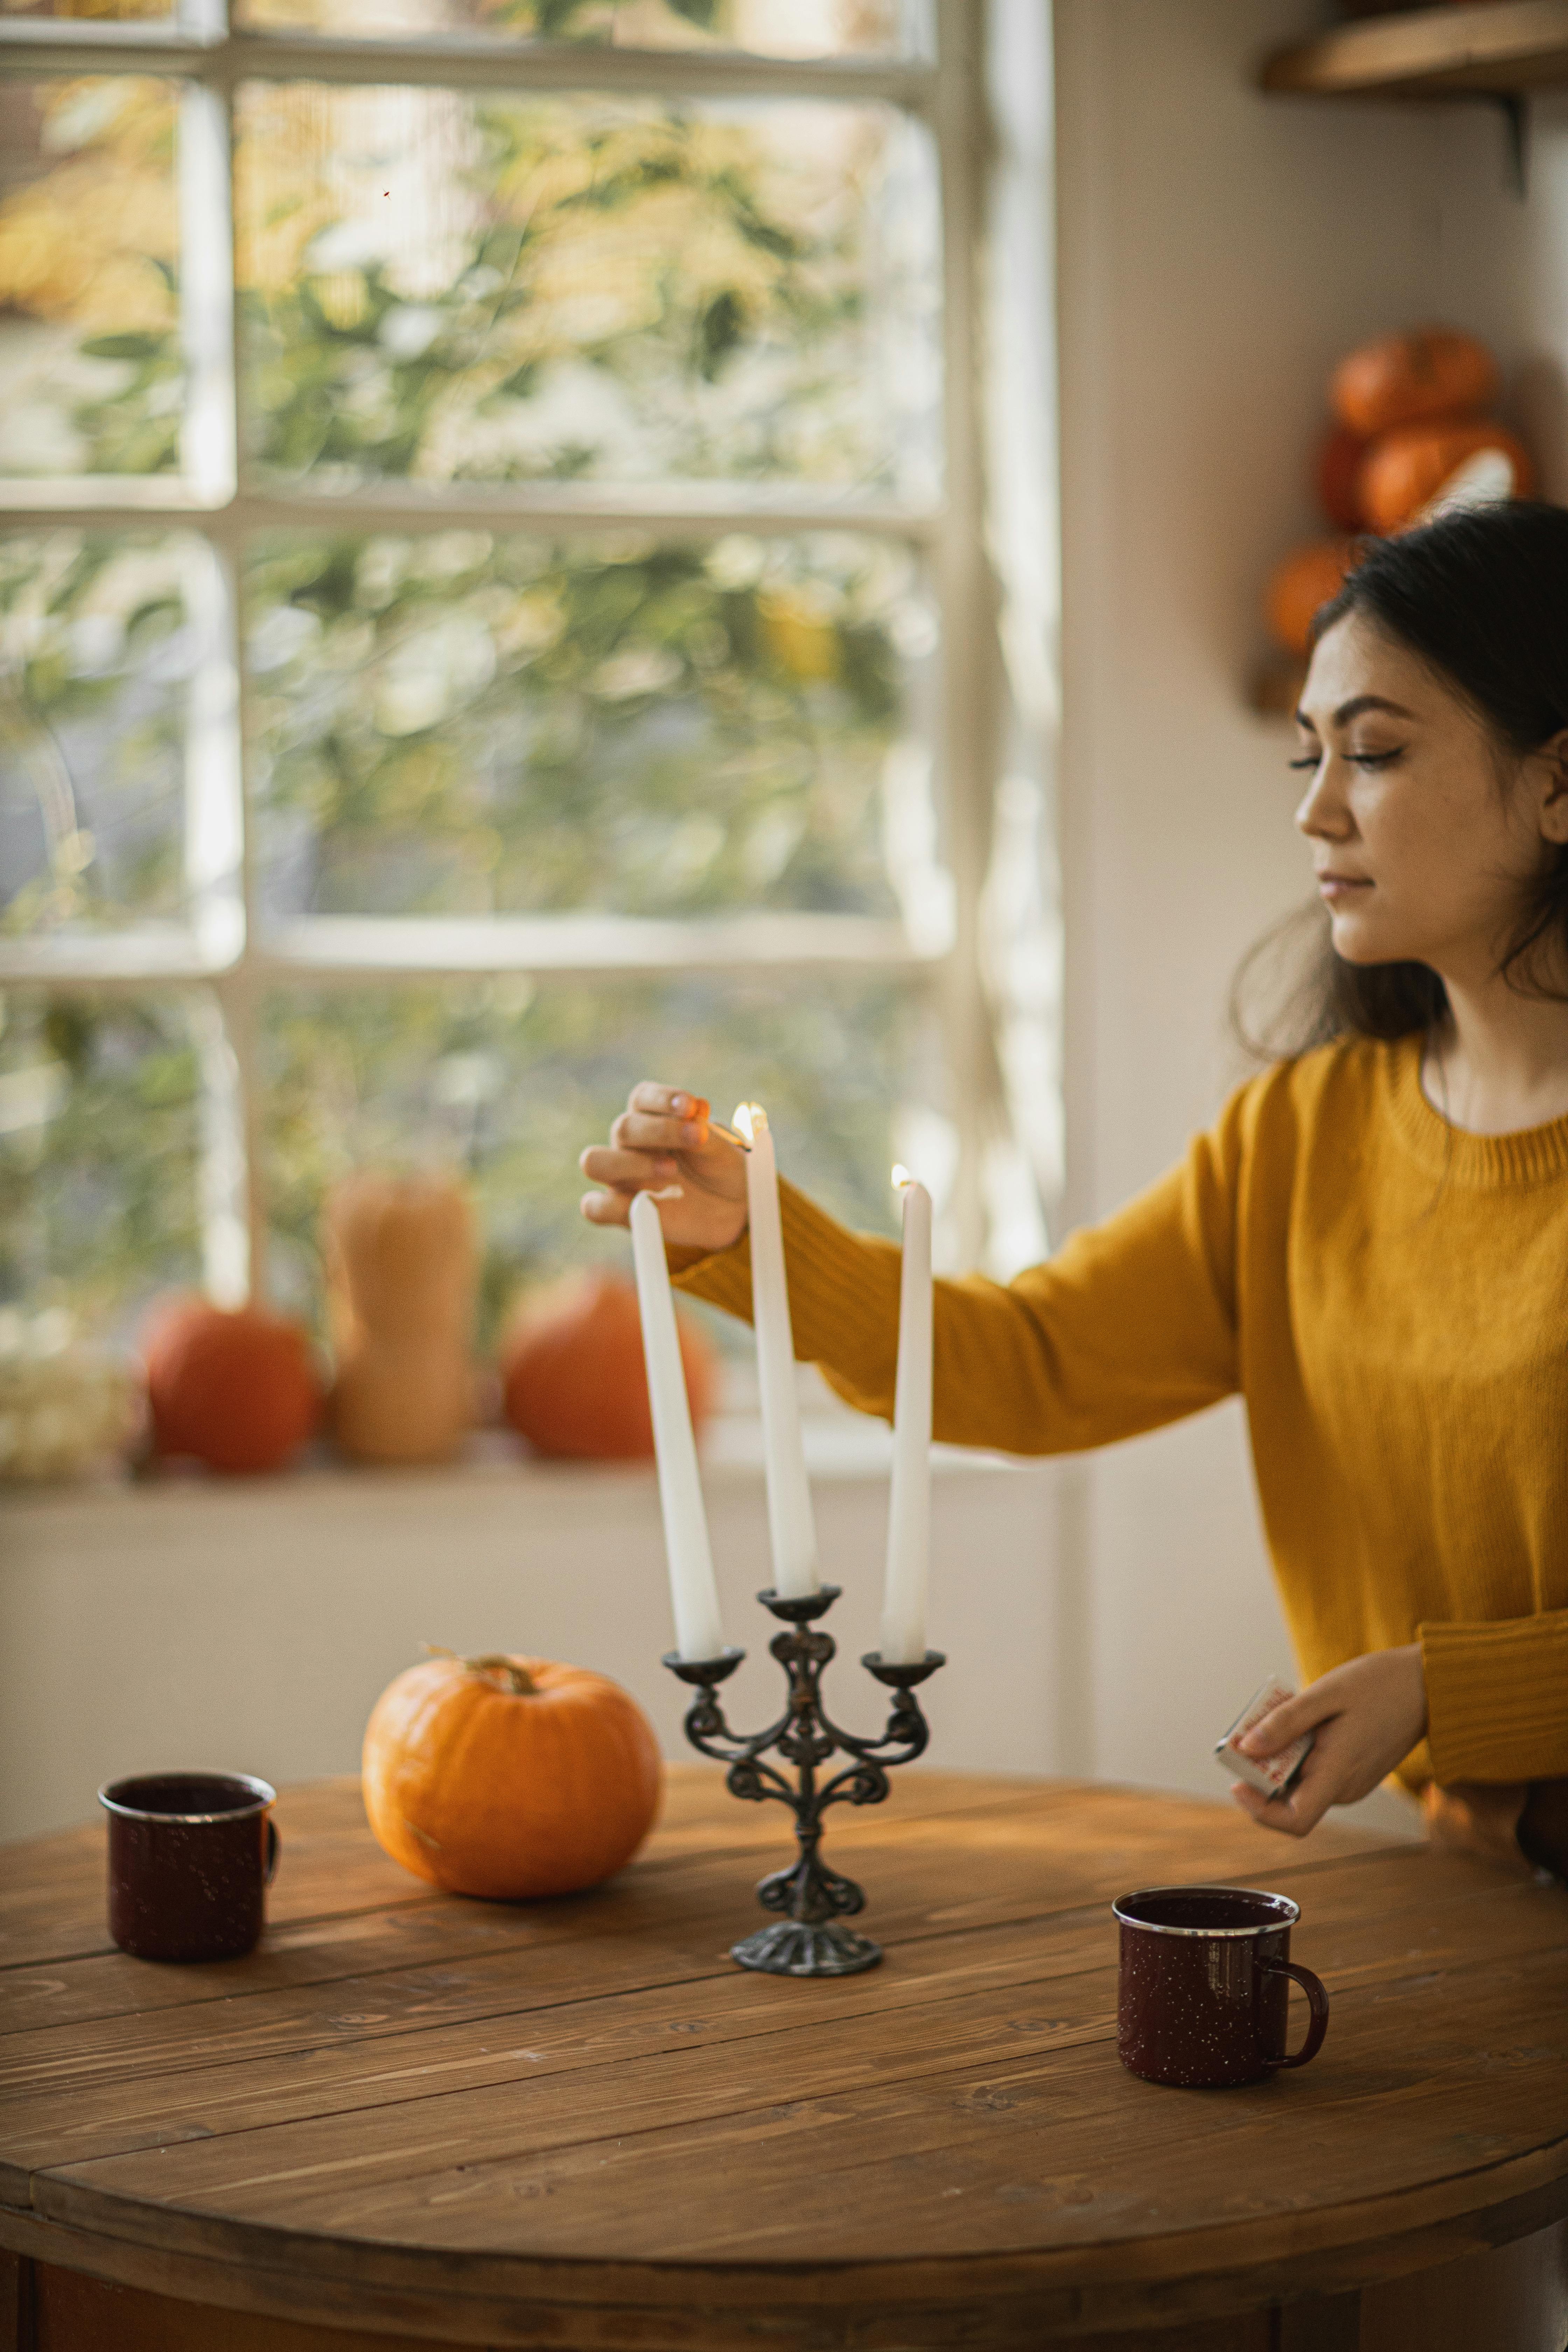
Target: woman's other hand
(1367, 1716)
(662, 1143)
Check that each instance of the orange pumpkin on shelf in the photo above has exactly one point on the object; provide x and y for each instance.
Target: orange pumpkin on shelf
(1300, 586)
(1406, 379)
(1340, 457)
(509, 1777)
(574, 1382)
(1406, 469)
(236, 1388)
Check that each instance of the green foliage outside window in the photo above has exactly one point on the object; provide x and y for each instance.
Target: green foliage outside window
(467, 721)
(769, 28)
(506, 1080)
(97, 644)
(469, 724)
(98, 1148)
(440, 287)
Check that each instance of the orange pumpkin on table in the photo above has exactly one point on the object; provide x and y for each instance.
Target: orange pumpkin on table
(236, 1388)
(1406, 379)
(1405, 469)
(509, 1777)
(575, 1384)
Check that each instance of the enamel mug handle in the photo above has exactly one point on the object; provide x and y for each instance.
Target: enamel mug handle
(1318, 2001)
(270, 1867)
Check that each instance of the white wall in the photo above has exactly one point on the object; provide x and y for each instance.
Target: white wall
(1507, 263)
(249, 1625)
(1217, 253)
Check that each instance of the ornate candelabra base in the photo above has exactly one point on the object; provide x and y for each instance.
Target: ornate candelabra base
(810, 1940)
(794, 1949)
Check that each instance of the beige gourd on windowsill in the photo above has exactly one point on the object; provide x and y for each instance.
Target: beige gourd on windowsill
(400, 1257)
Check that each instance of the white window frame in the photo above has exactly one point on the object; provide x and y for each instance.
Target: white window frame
(221, 955)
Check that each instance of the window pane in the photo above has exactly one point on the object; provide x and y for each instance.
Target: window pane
(773, 28)
(508, 1081)
(99, 639)
(96, 12)
(462, 724)
(92, 378)
(99, 1141)
(442, 287)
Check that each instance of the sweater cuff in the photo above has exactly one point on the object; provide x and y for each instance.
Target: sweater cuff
(825, 1265)
(723, 1277)
(1496, 1698)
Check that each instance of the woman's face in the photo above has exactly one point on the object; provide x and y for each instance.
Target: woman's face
(1426, 846)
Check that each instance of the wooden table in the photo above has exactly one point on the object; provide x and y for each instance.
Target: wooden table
(578, 2125)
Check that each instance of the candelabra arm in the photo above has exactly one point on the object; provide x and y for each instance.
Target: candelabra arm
(907, 1736)
(711, 1735)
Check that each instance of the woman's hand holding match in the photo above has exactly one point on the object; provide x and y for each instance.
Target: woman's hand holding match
(664, 1143)
(1367, 1716)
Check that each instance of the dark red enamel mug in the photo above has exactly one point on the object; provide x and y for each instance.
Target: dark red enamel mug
(190, 1857)
(1205, 1976)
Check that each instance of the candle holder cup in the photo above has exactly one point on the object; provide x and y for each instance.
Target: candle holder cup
(810, 1940)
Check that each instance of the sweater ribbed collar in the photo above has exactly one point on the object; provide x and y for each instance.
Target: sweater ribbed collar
(1531, 1155)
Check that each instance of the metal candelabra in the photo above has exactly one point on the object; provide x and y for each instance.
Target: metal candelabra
(809, 1940)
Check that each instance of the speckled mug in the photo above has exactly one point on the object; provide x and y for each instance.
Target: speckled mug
(190, 1856)
(1205, 1976)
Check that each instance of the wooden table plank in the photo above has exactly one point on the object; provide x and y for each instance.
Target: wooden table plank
(52, 1899)
(52, 1904)
(1012, 1856)
(64, 1970)
(501, 2122)
(821, 2169)
(265, 2062)
(121, 2051)
(992, 2026)
(450, 2161)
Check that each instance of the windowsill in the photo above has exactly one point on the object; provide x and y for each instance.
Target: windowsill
(839, 1447)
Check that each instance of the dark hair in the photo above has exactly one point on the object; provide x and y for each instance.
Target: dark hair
(1482, 597)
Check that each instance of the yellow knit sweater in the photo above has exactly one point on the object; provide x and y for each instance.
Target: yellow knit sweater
(1389, 1294)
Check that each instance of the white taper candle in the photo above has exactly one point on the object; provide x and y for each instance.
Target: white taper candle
(790, 1522)
(909, 1507)
(697, 1631)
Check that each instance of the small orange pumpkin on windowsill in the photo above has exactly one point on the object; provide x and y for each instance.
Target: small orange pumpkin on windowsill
(509, 1776)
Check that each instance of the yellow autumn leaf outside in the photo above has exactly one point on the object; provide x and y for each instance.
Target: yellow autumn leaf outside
(799, 635)
(81, 244)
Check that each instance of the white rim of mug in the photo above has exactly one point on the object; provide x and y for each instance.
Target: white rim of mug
(1156, 1928)
(262, 1795)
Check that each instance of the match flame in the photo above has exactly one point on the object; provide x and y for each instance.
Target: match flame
(749, 1117)
(901, 1177)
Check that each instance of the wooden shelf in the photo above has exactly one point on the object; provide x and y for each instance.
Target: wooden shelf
(1504, 48)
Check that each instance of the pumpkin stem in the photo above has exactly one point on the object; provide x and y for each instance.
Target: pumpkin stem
(519, 1682)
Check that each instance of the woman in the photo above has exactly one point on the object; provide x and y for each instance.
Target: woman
(1372, 1244)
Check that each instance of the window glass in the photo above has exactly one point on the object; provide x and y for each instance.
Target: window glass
(506, 1080)
(459, 723)
(92, 14)
(92, 377)
(99, 641)
(775, 28)
(99, 1143)
(440, 286)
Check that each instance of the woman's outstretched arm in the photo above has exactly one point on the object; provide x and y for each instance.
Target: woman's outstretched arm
(1132, 1324)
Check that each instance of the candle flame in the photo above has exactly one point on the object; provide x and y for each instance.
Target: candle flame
(901, 1177)
(749, 1117)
